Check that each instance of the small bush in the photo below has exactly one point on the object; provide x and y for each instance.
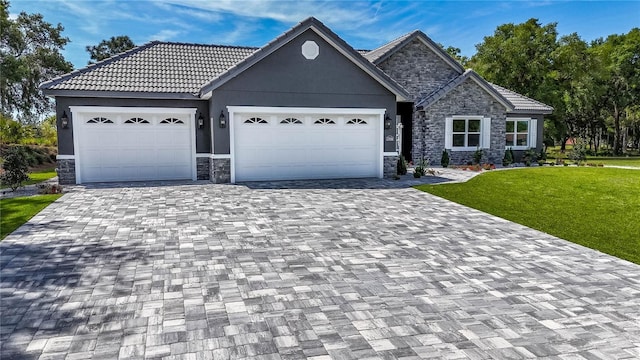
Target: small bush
(444, 159)
(15, 167)
(530, 156)
(508, 158)
(477, 156)
(402, 166)
(542, 155)
(50, 189)
(579, 152)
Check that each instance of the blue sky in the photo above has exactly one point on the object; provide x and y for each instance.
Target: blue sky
(363, 24)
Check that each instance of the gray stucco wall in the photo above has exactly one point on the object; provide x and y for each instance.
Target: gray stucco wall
(418, 69)
(467, 99)
(65, 136)
(286, 78)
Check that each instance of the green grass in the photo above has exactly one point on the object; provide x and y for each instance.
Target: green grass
(594, 207)
(41, 175)
(616, 161)
(17, 211)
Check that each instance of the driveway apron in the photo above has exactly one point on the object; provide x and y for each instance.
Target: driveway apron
(334, 269)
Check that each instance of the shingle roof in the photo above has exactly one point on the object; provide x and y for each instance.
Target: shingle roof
(469, 74)
(522, 103)
(156, 67)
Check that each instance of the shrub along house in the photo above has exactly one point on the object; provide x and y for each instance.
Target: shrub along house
(304, 106)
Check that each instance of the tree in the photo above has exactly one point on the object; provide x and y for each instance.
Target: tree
(455, 53)
(518, 57)
(619, 57)
(15, 168)
(29, 55)
(108, 48)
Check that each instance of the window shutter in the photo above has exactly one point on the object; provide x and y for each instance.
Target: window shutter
(486, 133)
(448, 133)
(533, 133)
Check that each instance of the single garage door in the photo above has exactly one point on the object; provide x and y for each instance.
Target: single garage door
(320, 145)
(134, 144)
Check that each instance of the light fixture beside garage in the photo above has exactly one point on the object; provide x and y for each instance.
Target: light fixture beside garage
(200, 121)
(64, 120)
(222, 120)
(387, 122)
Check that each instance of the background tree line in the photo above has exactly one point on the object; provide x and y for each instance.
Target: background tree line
(594, 87)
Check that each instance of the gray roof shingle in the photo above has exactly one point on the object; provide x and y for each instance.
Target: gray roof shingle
(156, 67)
(522, 103)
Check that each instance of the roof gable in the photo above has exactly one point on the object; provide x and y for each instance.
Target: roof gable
(325, 33)
(387, 50)
(469, 74)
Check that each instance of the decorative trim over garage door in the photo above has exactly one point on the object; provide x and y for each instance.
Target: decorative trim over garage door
(133, 143)
(282, 143)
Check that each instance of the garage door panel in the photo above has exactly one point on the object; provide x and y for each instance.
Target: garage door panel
(122, 151)
(278, 151)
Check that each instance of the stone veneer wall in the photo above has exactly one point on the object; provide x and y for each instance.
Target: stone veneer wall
(418, 69)
(202, 165)
(220, 171)
(466, 99)
(66, 171)
(390, 166)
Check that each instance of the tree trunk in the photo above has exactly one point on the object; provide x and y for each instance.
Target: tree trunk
(617, 137)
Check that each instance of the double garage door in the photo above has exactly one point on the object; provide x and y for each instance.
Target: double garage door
(133, 144)
(307, 144)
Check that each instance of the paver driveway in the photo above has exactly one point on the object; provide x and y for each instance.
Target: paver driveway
(322, 270)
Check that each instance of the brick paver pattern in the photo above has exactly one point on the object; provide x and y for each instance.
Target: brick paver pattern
(320, 270)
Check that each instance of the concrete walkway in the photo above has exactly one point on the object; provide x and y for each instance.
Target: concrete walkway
(329, 269)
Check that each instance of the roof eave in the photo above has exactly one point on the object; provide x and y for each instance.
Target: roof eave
(531, 111)
(120, 94)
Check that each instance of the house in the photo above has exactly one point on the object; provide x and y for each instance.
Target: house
(304, 106)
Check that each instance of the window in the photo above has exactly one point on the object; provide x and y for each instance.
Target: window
(324, 121)
(99, 120)
(356, 121)
(466, 132)
(171, 121)
(136, 121)
(517, 133)
(290, 121)
(255, 120)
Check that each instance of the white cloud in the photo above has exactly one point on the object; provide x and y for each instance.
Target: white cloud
(164, 35)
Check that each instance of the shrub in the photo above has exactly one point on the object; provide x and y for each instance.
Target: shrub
(15, 168)
(444, 160)
(542, 155)
(402, 166)
(579, 152)
(477, 156)
(50, 189)
(508, 158)
(530, 156)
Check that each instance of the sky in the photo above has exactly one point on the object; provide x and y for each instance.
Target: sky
(363, 24)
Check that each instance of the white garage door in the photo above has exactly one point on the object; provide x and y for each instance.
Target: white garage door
(133, 144)
(320, 145)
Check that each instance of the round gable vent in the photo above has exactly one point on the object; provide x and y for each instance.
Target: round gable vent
(310, 50)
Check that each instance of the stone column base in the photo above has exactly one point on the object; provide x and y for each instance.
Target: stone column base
(220, 171)
(202, 165)
(390, 166)
(66, 171)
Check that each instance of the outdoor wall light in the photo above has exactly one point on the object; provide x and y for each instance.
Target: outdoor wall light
(200, 121)
(222, 119)
(64, 120)
(387, 122)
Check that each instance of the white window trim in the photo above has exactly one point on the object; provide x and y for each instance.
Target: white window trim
(449, 132)
(531, 135)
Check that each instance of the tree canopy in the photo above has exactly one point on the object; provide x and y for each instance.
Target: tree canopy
(30, 53)
(108, 48)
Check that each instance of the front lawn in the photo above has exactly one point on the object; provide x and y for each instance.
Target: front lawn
(17, 211)
(595, 207)
(41, 175)
(632, 161)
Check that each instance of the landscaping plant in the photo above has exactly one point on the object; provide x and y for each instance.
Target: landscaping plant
(15, 168)
(477, 156)
(579, 152)
(444, 160)
(402, 166)
(508, 158)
